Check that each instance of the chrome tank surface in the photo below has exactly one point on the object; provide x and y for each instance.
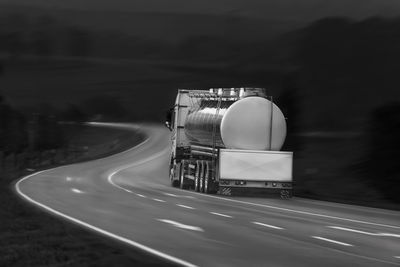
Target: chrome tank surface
(251, 123)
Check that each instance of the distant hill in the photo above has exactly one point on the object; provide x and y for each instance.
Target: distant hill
(345, 68)
(172, 19)
(165, 26)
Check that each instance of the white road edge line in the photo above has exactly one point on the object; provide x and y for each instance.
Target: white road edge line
(158, 200)
(294, 211)
(269, 226)
(97, 229)
(222, 215)
(363, 232)
(332, 241)
(186, 207)
(181, 225)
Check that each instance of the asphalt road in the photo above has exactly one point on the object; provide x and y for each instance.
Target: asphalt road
(128, 197)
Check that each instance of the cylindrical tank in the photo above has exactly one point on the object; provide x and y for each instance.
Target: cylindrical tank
(251, 123)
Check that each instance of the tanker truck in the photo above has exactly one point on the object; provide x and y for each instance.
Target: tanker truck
(228, 141)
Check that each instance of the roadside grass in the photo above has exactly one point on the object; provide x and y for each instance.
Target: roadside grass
(329, 169)
(31, 237)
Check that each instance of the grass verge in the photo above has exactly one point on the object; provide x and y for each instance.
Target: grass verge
(328, 169)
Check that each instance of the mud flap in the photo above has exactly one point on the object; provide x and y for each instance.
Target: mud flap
(286, 194)
(225, 191)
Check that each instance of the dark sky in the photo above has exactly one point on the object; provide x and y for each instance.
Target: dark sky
(162, 66)
(285, 9)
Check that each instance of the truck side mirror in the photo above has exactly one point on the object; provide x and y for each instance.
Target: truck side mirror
(168, 125)
(168, 119)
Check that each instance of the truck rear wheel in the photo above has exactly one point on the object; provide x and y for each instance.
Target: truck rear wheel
(207, 180)
(174, 168)
(209, 184)
(201, 177)
(206, 186)
(182, 180)
(197, 178)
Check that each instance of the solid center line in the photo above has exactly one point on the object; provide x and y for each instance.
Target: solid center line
(186, 207)
(363, 232)
(332, 241)
(181, 225)
(158, 200)
(268, 225)
(220, 214)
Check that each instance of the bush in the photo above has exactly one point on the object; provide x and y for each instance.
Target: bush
(383, 159)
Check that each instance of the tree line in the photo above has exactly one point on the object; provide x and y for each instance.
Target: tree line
(30, 136)
(26, 139)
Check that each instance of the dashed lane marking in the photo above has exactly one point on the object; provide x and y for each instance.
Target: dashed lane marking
(222, 215)
(295, 211)
(363, 232)
(140, 195)
(181, 225)
(76, 191)
(333, 241)
(186, 207)
(171, 195)
(158, 200)
(268, 225)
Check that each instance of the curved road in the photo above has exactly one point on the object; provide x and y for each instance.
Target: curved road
(128, 197)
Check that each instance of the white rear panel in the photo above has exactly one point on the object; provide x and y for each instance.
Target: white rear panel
(255, 165)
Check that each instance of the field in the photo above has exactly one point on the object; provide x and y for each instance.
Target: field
(328, 169)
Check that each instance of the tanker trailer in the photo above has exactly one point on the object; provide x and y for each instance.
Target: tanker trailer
(228, 141)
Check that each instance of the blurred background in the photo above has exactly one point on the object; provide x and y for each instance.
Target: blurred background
(332, 66)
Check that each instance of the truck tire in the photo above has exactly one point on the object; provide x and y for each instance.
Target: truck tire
(209, 184)
(174, 168)
(197, 177)
(201, 177)
(182, 181)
